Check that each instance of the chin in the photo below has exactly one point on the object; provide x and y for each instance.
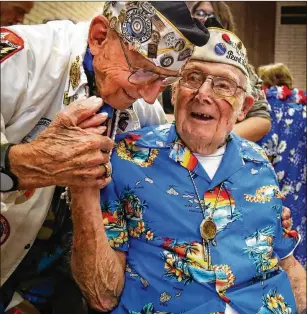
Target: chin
(117, 103)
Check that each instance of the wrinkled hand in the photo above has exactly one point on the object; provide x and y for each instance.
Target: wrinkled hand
(286, 219)
(64, 154)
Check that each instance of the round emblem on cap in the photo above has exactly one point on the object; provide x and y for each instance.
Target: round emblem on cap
(136, 26)
(4, 229)
(167, 61)
(180, 44)
(220, 49)
(113, 22)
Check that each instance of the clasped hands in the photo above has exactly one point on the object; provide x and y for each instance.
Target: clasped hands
(72, 151)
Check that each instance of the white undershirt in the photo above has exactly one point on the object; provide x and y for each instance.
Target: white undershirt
(211, 163)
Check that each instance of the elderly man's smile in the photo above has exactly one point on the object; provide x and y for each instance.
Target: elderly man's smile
(128, 95)
(202, 116)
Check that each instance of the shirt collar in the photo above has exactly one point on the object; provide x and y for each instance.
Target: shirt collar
(237, 152)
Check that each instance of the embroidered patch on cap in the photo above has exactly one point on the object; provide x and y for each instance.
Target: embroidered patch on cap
(224, 47)
(10, 44)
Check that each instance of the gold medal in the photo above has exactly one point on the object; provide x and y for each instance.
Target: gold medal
(208, 229)
(75, 73)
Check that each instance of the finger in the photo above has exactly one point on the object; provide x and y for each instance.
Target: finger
(83, 109)
(101, 183)
(106, 144)
(286, 224)
(86, 177)
(93, 159)
(93, 142)
(107, 169)
(95, 120)
(98, 130)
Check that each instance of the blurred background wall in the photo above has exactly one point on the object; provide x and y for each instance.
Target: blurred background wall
(259, 25)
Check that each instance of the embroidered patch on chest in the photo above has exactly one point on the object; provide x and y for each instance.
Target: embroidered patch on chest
(10, 44)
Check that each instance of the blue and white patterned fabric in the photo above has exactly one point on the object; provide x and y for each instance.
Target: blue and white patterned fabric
(285, 144)
(151, 211)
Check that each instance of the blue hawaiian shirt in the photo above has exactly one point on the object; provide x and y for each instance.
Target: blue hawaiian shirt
(286, 146)
(151, 211)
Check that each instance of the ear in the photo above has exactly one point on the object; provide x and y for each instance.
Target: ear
(98, 33)
(248, 103)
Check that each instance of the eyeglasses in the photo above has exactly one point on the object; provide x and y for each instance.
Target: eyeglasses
(202, 14)
(221, 86)
(141, 76)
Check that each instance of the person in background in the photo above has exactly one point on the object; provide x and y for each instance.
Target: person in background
(13, 12)
(51, 125)
(205, 10)
(194, 225)
(285, 144)
(257, 122)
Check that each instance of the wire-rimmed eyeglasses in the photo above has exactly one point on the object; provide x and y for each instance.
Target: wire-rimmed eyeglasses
(200, 13)
(141, 76)
(221, 86)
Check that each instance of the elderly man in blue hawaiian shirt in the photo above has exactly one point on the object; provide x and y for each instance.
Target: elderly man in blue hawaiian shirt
(191, 222)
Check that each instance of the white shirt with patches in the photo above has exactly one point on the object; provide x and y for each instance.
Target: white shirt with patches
(33, 82)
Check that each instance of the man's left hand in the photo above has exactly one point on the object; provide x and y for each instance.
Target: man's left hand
(286, 219)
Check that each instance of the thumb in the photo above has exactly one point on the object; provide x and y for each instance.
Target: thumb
(83, 108)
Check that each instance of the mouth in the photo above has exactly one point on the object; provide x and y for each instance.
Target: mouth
(201, 116)
(128, 95)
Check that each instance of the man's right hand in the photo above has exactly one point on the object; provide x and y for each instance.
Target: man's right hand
(70, 152)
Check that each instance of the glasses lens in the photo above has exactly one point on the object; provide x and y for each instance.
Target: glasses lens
(201, 13)
(224, 87)
(140, 77)
(193, 79)
(170, 80)
(143, 77)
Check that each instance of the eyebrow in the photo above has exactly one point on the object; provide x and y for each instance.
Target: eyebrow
(198, 68)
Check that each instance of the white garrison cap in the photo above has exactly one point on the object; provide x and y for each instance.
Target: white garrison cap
(224, 47)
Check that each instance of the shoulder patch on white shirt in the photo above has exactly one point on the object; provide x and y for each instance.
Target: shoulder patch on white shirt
(10, 44)
(4, 229)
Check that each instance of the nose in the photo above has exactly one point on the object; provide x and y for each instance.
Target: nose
(150, 92)
(205, 92)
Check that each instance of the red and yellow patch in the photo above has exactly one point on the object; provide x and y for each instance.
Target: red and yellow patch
(27, 194)
(10, 44)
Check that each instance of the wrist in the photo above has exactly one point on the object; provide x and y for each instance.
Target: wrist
(86, 194)
(9, 181)
(23, 165)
